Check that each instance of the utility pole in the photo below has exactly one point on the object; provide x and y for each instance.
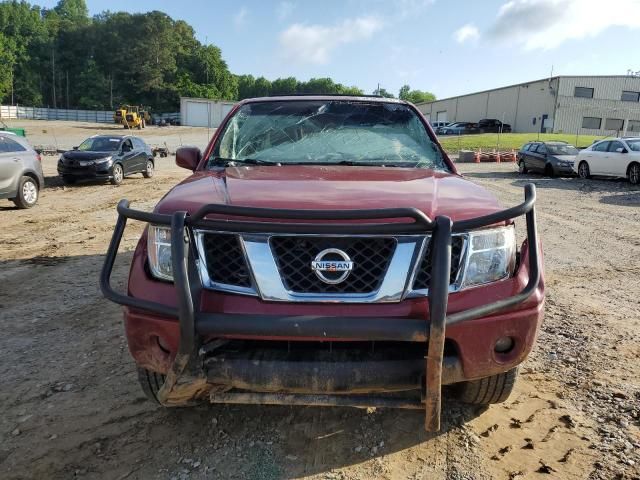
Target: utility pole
(206, 42)
(53, 75)
(111, 91)
(67, 72)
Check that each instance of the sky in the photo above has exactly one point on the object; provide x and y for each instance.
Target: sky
(445, 47)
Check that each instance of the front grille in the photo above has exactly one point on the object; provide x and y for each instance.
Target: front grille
(423, 276)
(370, 255)
(225, 259)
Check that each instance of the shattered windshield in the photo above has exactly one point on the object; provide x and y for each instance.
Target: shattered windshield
(326, 132)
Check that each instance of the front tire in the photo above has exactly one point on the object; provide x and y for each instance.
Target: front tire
(548, 171)
(634, 173)
(148, 172)
(583, 170)
(28, 193)
(151, 382)
(522, 168)
(485, 391)
(117, 174)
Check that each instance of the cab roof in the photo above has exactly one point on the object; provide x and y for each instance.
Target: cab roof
(325, 98)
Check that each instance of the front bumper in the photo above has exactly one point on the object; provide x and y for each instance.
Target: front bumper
(97, 172)
(515, 309)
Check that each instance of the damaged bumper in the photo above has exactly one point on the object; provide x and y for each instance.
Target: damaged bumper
(360, 376)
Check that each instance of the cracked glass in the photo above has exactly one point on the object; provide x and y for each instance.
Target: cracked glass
(326, 132)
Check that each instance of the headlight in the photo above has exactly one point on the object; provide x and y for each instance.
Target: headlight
(159, 252)
(491, 256)
(103, 160)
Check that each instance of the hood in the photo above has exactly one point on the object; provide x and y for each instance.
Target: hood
(564, 158)
(84, 155)
(332, 187)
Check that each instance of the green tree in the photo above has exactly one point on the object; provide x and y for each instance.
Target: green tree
(383, 93)
(284, 86)
(415, 96)
(7, 60)
(63, 57)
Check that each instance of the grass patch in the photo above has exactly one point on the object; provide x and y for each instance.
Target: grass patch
(509, 141)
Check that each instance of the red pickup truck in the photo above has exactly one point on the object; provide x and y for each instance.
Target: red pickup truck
(326, 252)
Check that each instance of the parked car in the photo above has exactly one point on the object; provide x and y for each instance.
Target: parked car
(617, 157)
(550, 158)
(491, 125)
(308, 263)
(21, 177)
(460, 128)
(107, 157)
(438, 125)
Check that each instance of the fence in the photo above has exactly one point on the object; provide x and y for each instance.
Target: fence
(37, 113)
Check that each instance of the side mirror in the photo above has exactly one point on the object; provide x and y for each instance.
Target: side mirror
(188, 157)
(75, 148)
(621, 150)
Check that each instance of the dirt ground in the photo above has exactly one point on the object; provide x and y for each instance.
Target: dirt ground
(72, 407)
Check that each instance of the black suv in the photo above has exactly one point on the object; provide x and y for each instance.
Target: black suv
(106, 157)
(491, 125)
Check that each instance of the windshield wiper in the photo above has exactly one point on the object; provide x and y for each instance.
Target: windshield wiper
(247, 161)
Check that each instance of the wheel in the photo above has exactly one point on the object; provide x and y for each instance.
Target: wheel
(151, 382)
(583, 170)
(522, 168)
(148, 172)
(143, 123)
(548, 171)
(634, 173)
(494, 389)
(117, 174)
(69, 179)
(27, 193)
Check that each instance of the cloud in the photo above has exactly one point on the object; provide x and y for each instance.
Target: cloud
(408, 8)
(284, 10)
(546, 24)
(468, 32)
(240, 18)
(315, 43)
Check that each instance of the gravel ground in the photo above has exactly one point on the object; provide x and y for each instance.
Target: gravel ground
(72, 406)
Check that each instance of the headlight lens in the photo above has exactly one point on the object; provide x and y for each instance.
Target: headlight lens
(491, 256)
(103, 160)
(159, 252)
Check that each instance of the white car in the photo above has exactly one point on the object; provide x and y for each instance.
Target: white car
(613, 157)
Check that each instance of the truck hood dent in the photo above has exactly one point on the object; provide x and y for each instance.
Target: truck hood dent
(333, 187)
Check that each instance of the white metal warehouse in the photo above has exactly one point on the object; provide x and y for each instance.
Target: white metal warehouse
(203, 112)
(590, 105)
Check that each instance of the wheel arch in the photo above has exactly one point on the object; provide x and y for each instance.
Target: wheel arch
(631, 163)
(34, 176)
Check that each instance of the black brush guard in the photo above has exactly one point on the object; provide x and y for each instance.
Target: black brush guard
(432, 329)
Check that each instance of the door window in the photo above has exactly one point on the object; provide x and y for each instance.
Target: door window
(542, 149)
(126, 146)
(613, 146)
(7, 145)
(601, 147)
